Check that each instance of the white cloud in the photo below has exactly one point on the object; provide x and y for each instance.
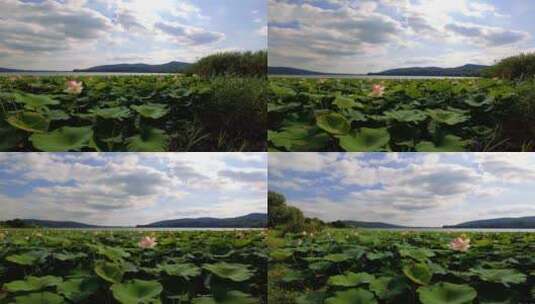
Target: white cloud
(428, 189)
(107, 188)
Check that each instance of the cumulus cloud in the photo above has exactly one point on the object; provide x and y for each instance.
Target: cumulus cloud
(372, 35)
(409, 189)
(63, 35)
(129, 188)
(187, 34)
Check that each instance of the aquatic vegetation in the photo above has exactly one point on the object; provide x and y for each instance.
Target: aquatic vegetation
(47, 266)
(431, 115)
(132, 113)
(374, 266)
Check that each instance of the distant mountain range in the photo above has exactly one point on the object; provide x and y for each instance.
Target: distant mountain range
(285, 71)
(468, 70)
(57, 224)
(359, 224)
(5, 70)
(499, 223)
(171, 67)
(253, 220)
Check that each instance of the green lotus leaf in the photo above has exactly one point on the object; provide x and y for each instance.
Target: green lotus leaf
(33, 283)
(352, 296)
(447, 293)
(479, 101)
(281, 91)
(350, 279)
(118, 113)
(365, 140)
(317, 297)
(151, 110)
(111, 272)
(293, 276)
(344, 103)
(356, 116)
(406, 115)
(283, 108)
(298, 137)
(374, 256)
(337, 257)
(57, 115)
(29, 121)
(113, 253)
(149, 140)
(137, 291)
(186, 271)
(40, 298)
(333, 123)
(77, 290)
(29, 258)
(69, 256)
(387, 287)
(32, 101)
(503, 276)
(449, 143)
(231, 297)
(233, 272)
(320, 266)
(63, 139)
(419, 254)
(419, 273)
(280, 255)
(448, 117)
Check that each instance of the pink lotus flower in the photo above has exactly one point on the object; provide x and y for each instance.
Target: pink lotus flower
(460, 244)
(378, 90)
(74, 87)
(147, 242)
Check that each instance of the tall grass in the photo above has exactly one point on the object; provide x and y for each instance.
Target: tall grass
(241, 64)
(520, 67)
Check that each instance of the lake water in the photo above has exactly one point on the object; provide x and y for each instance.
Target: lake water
(147, 229)
(452, 230)
(369, 77)
(79, 74)
(162, 229)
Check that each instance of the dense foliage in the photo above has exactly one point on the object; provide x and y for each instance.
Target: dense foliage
(288, 218)
(245, 64)
(370, 267)
(366, 115)
(132, 113)
(518, 67)
(52, 267)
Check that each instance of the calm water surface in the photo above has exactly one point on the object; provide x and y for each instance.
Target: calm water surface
(79, 74)
(451, 230)
(369, 77)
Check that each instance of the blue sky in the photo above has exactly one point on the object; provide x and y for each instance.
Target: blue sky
(361, 36)
(414, 189)
(131, 188)
(68, 34)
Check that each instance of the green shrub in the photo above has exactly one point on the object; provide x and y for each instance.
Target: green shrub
(236, 108)
(518, 67)
(244, 64)
(288, 218)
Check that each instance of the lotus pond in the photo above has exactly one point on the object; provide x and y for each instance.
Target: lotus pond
(132, 113)
(372, 266)
(365, 115)
(44, 266)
